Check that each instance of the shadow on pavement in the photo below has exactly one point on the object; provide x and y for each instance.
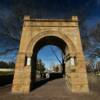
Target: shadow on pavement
(41, 82)
(38, 83)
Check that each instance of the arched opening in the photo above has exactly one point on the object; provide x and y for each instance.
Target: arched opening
(52, 58)
(45, 41)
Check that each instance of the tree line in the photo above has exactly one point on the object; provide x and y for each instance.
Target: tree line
(7, 65)
(91, 46)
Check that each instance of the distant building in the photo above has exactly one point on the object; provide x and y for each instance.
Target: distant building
(56, 68)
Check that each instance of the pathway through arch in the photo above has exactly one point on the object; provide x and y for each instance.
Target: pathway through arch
(52, 89)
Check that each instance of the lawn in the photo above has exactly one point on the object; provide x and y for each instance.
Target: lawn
(6, 73)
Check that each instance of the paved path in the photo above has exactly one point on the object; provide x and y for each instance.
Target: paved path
(51, 90)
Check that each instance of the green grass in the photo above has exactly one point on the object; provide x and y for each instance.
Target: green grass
(6, 73)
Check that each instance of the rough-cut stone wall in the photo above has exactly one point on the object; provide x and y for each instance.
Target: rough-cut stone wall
(68, 31)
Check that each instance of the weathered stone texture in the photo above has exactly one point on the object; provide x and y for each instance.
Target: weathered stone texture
(68, 31)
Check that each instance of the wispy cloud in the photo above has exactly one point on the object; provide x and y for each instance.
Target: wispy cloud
(12, 12)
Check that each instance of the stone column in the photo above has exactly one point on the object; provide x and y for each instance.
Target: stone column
(22, 75)
(79, 82)
(67, 71)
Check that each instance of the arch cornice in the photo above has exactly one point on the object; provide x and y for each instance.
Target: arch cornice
(39, 36)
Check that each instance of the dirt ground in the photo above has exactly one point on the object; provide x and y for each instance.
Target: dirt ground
(55, 90)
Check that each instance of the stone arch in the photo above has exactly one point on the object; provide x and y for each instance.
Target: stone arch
(65, 38)
(33, 31)
(34, 41)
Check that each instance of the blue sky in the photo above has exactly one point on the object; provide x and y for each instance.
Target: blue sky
(48, 57)
(11, 11)
(94, 17)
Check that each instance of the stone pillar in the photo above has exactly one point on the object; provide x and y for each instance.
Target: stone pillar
(79, 81)
(22, 75)
(67, 71)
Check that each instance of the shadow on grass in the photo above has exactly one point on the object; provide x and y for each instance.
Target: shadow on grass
(5, 80)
